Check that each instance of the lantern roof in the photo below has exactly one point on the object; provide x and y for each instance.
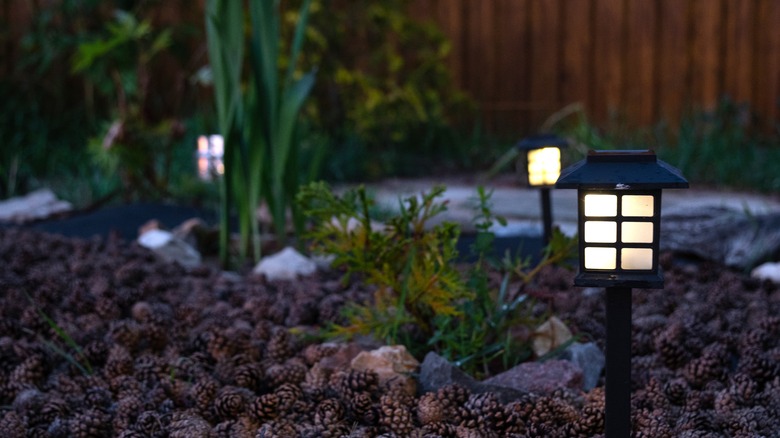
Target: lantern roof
(621, 170)
(541, 140)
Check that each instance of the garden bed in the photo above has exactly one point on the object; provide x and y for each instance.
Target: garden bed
(98, 338)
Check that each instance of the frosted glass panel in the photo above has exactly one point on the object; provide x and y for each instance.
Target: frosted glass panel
(544, 166)
(636, 232)
(600, 258)
(601, 205)
(600, 232)
(637, 205)
(636, 258)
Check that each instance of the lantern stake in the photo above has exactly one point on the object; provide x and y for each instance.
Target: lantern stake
(546, 214)
(618, 372)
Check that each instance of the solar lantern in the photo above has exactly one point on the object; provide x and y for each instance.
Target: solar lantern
(619, 210)
(210, 152)
(543, 166)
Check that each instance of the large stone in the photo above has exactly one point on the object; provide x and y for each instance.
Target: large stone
(589, 358)
(287, 264)
(39, 204)
(732, 237)
(540, 377)
(170, 248)
(393, 364)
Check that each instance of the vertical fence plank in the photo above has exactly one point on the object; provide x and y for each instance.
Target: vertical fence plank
(738, 49)
(545, 58)
(766, 62)
(672, 64)
(705, 80)
(577, 66)
(638, 91)
(607, 47)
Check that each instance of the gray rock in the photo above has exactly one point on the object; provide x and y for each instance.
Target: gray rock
(539, 377)
(589, 358)
(528, 377)
(732, 237)
(170, 248)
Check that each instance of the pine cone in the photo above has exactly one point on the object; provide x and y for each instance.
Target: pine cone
(313, 353)
(289, 372)
(203, 392)
(265, 407)
(233, 429)
(430, 409)
(395, 414)
(277, 429)
(90, 424)
(347, 383)
(453, 395)
(30, 372)
(127, 410)
(363, 408)
(250, 376)
(671, 347)
(280, 346)
(489, 412)
(118, 363)
(231, 401)
(440, 429)
(676, 390)
(12, 425)
(316, 383)
(187, 424)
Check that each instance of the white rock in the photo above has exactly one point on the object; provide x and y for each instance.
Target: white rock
(169, 247)
(287, 264)
(767, 271)
(39, 204)
(550, 335)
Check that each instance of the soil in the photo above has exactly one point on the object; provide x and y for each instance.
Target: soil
(99, 339)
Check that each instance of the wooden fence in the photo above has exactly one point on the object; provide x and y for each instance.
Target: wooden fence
(642, 60)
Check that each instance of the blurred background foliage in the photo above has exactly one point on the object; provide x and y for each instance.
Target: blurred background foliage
(384, 105)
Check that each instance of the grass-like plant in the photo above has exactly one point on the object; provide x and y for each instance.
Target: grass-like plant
(424, 297)
(257, 119)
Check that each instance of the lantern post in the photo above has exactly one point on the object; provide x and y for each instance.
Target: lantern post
(619, 221)
(543, 166)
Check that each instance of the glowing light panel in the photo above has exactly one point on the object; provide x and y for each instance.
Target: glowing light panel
(637, 206)
(600, 232)
(636, 258)
(600, 258)
(600, 205)
(636, 232)
(544, 166)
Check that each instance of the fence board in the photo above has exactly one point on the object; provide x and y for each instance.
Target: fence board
(608, 48)
(576, 68)
(639, 58)
(521, 60)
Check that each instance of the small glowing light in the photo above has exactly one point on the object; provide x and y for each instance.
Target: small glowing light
(636, 258)
(637, 206)
(600, 205)
(203, 168)
(544, 166)
(600, 258)
(203, 145)
(217, 144)
(600, 232)
(636, 232)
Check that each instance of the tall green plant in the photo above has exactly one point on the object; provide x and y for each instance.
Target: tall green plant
(259, 125)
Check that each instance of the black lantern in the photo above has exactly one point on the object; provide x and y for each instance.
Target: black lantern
(543, 166)
(620, 216)
(619, 195)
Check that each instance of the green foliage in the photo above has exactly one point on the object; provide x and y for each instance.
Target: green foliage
(722, 147)
(385, 96)
(423, 299)
(259, 125)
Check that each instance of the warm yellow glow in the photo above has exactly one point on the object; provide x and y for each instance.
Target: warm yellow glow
(636, 232)
(544, 166)
(600, 232)
(637, 205)
(600, 205)
(600, 258)
(203, 145)
(636, 258)
(203, 168)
